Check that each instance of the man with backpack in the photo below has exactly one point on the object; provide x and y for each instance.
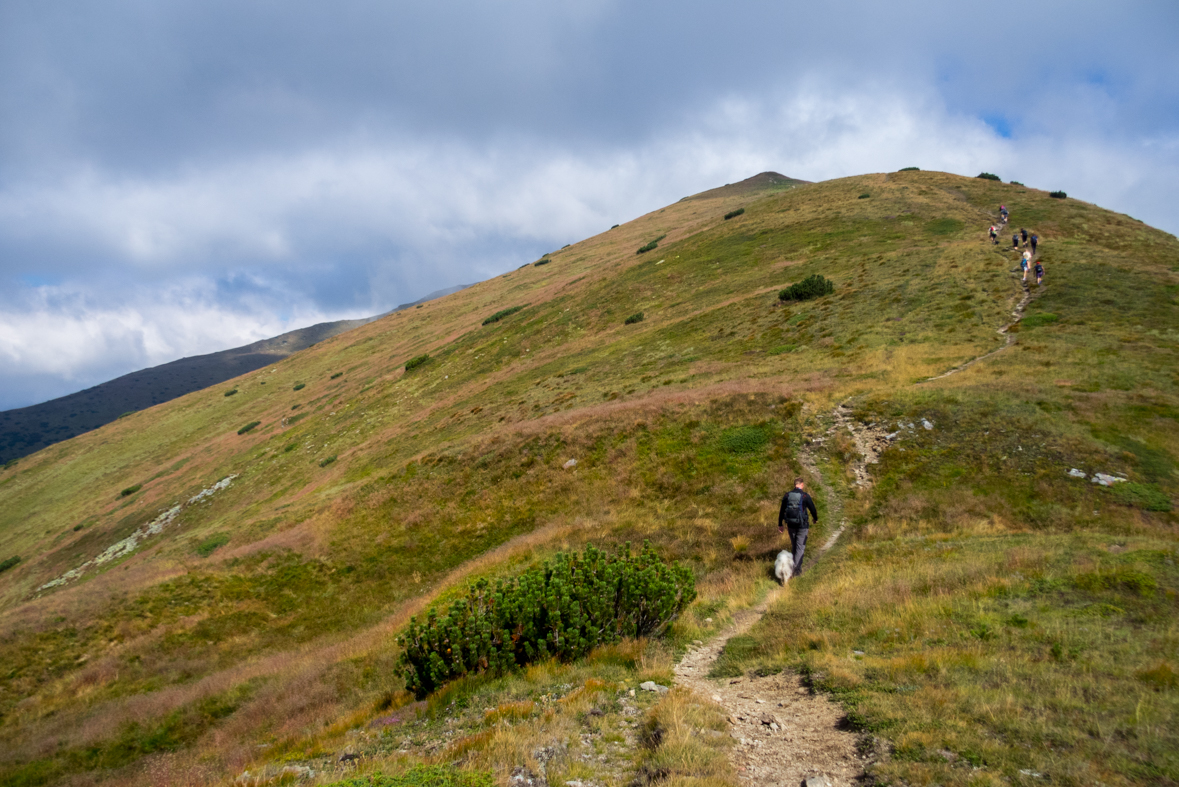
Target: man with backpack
(1034, 239)
(793, 516)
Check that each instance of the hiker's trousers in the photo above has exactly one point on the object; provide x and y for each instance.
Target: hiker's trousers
(798, 546)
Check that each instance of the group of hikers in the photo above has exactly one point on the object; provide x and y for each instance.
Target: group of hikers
(1028, 260)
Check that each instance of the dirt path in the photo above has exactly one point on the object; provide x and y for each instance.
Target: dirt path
(784, 733)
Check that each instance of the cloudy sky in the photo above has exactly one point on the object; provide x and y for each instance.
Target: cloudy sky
(178, 178)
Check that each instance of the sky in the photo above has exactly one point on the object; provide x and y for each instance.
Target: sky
(180, 178)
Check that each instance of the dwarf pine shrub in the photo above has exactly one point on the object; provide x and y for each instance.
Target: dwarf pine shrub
(327, 461)
(909, 169)
(299, 386)
(248, 427)
(636, 317)
(1058, 195)
(130, 490)
(732, 214)
(865, 195)
(812, 286)
(650, 245)
(414, 363)
(987, 176)
(563, 609)
(499, 315)
(337, 374)
(541, 261)
(231, 392)
(9, 563)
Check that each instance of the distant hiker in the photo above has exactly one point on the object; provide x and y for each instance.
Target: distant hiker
(1039, 273)
(994, 235)
(1003, 213)
(792, 516)
(1034, 240)
(1024, 262)
(1023, 234)
(1015, 241)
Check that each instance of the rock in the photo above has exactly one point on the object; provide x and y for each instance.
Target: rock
(595, 712)
(768, 720)
(569, 464)
(817, 781)
(651, 685)
(925, 423)
(524, 777)
(631, 692)
(1033, 774)
(1106, 480)
(1075, 473)
(775, 727)
(761, 702)
(858, 652)
(891, 436)
(298, 771)
(708, 621)
(717, 698)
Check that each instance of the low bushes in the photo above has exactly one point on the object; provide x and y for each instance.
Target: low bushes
(499, 315)
(1146, 496)
(734, 213)
(542, 261)
(251, 425)
(414, 363)
(130, 490)
(636, 317)
(909, 169)
(1058, 195)
(299, 386)
(211, 544)
(650, 245)
(987, 176)
(9, 563)
(337, 374)
(231, 392)
(812, 286)
(865, 195)
(327, 461)
(562, 609)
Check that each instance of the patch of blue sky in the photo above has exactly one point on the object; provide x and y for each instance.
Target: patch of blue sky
(1000, 124)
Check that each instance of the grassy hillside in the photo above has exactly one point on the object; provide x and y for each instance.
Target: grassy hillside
(985, 614)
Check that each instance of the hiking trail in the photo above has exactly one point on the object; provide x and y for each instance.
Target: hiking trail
(785, 733)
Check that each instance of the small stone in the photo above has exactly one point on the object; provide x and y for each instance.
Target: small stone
(708, 621)
(761, 702)
(774, 726)
(651, 685)
(858, 652)
(717, 698)
(1075, 473)
(817, 781)
(928, 426)
(631, 692)
(1106, 480)
(697, 642)
(569, 464)
(1033, 774)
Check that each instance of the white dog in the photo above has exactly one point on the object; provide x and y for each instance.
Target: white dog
(784, 566)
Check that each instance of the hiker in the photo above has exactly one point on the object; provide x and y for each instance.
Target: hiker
(1015, 240)
(1039, 273)
(1003, 213)
(792, 516)
(1024, 234)
(1034, 240)
(994, 235)
(1024, 263)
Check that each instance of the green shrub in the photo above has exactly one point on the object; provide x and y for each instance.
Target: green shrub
(231, 392)
(210, 544)
(130, 490)
(129, 412)
(337, 374)
(11, 463)
(541, 261)
(1016, 183)
(299, 386)
(865, 195)
(909, 169)
(734, 213)
(248, 427)
(9, 563)
(987, 176)
(1146, 496)
(328, 461)
(499, 315)
(636, 317)
(614, 227)
(650, 245)
(744, 439)
(1058, 195)
(414, 363)
(812, 286)
(562, 609)
(422, 776)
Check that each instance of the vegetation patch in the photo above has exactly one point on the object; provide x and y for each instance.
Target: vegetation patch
(1039, 319)
(327, 461)
(8, 563)
(988, 176)
(249, 427)
(541, 261)
(1148, 497)
(909, 169)
(130, 490)
(562, 609)
(744, 439)
(423, 776)
(650, 245)
(813, 286)
(945, 226)
(1058, 195)
(732, 214)
(865, 195)
(337, 374)
(417, 361)
(299, 386)
(499, 315)
(231, 392)
(211, 544)
(636, 317)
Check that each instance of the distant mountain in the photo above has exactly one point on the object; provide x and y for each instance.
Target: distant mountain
(28, 429)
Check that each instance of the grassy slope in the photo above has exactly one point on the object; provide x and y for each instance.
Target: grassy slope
(282, 634)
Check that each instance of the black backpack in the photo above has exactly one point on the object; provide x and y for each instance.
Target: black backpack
(794, 507)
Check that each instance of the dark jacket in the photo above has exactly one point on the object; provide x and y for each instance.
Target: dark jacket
(804, 505)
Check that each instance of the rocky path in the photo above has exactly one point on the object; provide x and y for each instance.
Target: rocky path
(785, 734)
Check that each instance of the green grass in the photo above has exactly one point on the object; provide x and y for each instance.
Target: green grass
(211, 544)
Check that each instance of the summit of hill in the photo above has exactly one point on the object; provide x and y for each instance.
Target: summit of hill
(210, 591)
